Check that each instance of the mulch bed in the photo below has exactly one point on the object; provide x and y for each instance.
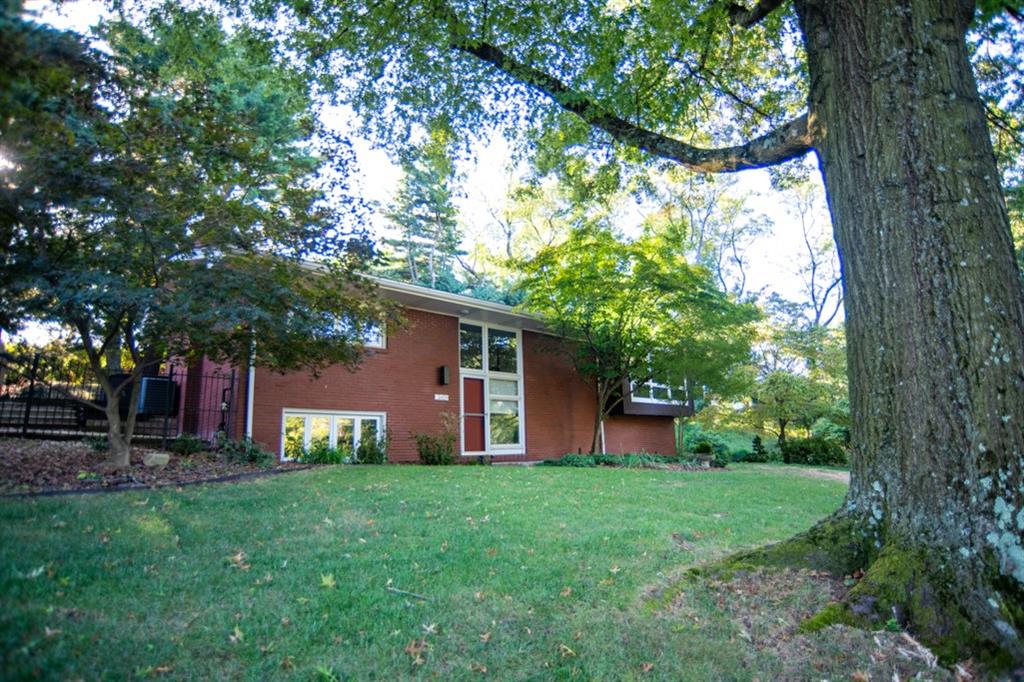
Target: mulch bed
(45, 466)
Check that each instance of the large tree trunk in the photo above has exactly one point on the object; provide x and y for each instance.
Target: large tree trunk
(935, 319)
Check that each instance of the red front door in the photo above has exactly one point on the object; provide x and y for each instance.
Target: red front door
(473, 415)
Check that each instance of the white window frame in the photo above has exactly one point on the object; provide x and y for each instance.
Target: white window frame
(357, 417)
(486, 375)
(378, 340)
(651, 384)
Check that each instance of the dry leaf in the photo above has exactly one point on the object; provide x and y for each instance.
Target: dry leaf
(478, 668)
(614, 569)
(485, 637)
(566, 592)
(479, 596)
(859, 676)
(327, 580)
(238, 560)
(491, 551)
(646, 667)
(416, 647)
(566, 651)
(287, 663)
(430, 629)
(50, 633)
(237, 637)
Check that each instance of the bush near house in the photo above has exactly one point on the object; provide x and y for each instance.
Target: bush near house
(633, 460)
(244, 450)
(436, 449)
(815, 451)
(373, 450)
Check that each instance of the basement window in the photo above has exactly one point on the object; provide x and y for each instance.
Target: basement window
(303, 430)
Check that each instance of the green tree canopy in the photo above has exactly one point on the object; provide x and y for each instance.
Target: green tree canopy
(168, 195)
(635, 312)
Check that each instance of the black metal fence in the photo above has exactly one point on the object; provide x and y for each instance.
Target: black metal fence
(51, 398)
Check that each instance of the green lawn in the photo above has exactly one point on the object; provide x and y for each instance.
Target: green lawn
(532, 573)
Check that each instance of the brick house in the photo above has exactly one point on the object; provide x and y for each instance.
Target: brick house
(492, 370)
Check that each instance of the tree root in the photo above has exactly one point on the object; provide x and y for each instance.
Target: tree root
(835, 545)
(902, 587)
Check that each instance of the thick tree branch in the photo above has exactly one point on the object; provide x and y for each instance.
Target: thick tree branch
(789, 141)
(741, 16)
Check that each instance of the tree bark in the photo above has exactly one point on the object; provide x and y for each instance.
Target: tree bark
(935, 317)
(119, 455)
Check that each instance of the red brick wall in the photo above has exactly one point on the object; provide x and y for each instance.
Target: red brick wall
(559, 405)
(402, 381)
(560, 410)
(633, 433)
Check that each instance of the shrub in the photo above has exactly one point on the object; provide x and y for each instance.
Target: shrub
(435, 449)
(186, 444)
(373, 450)
(816, 451)
(827, 429)
(97, 443)
(635, 460)
(758, 452)
(322, 453)
(701, 442)
(244, 451)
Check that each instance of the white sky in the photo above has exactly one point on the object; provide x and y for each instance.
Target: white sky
(776, 255)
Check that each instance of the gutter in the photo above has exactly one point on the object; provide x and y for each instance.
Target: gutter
(250, 391)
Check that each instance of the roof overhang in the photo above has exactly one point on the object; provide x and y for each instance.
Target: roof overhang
(456, 305)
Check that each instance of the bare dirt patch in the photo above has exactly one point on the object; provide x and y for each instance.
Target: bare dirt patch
(32, 466)
(762, 610)
(810, 472)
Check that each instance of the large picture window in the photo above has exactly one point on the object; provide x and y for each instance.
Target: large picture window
(492, 399)
(303, 430)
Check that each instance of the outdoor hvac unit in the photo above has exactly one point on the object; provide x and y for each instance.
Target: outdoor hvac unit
(158, 396)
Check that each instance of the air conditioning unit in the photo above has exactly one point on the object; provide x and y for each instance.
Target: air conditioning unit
(158, 396)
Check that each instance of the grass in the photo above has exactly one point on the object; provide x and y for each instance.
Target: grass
(531, 573)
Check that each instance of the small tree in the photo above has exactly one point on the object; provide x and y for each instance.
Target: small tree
(634, 312)
(786, 398)
(163, 200)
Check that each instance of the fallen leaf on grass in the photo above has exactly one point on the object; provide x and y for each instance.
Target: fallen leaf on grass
(416, 647)
(566, 651)
(478, 668)
(163, 669)
(430, 629)
(287, 663)
(646, 667)
(238, 560)
(859, 676)
(327, 580)
(237, 637)
(50, 634)
(566, 592)
(485, 637)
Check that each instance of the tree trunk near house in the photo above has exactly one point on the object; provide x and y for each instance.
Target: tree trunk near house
(119, 430)
(935, 328)
(595, 442)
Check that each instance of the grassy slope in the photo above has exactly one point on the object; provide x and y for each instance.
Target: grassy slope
(137, 581)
